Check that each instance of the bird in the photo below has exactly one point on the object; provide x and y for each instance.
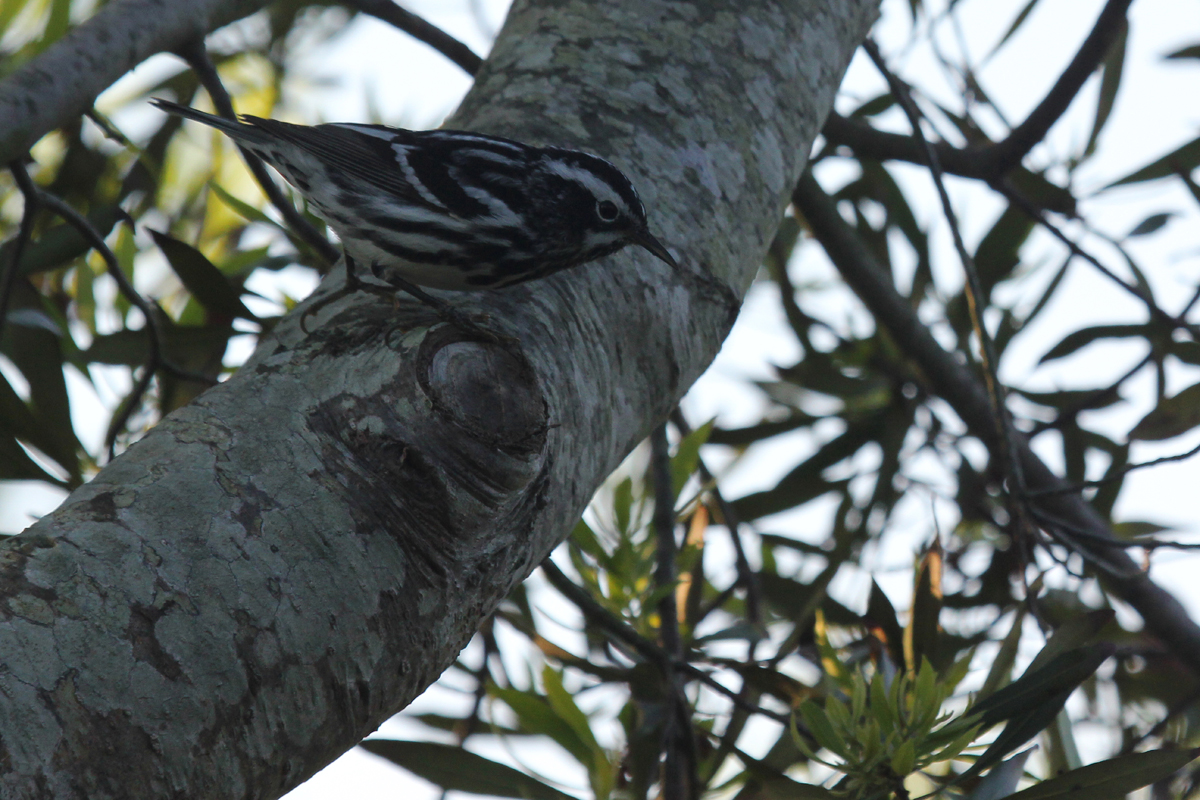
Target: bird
(448, 209)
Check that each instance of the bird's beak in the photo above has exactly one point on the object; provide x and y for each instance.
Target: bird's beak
(644, 238)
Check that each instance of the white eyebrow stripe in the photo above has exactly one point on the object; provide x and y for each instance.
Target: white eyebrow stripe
(599, 189)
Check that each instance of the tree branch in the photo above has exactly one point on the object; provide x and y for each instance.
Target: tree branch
(1161, 612)
(62, 83)
(420, 30)
(992, 161)
(196, 55)
(1007, 154)
(8, 279)
(285, 562)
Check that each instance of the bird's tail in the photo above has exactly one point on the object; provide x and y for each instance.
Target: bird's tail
(239, 131)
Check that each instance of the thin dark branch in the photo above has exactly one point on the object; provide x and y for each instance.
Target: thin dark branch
(621, 632)
(1038, 215)
(155, 361)
(664, 529)
(1120, 473)
(482, 676)
(956, 384)
(679, 773)
(196, 55)
(975, 293)
(420, 30)
(11, 269)
(992, 161)
(1009, 153)
(1093, 400)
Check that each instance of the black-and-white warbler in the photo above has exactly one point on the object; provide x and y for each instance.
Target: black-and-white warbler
(449, 209)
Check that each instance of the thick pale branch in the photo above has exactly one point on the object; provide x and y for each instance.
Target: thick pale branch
(284, 563)
(957, 385)
(62, 83)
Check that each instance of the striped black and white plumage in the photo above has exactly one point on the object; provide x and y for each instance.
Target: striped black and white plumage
(449, 209)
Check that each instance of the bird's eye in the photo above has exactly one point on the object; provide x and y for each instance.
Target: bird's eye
(607, 210)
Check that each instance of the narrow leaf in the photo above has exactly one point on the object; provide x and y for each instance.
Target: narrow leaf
(456, 769)
(1185, 157)
(206, 283)
(1172, 417)
(1150, 224)
(1110, 83)
(1111, 779)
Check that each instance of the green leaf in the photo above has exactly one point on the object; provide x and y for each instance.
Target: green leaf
(456, 769)
(1072, 634)
(536, 716)
(38, 354)
(822, 729)
(744, 437)
(1031, 703)
(1110, 83)
(1017, 22)
(206, 283)
(881, 614)
(768, 783)
(875, 106)
(921, 636)
(1002, 779)
(905, 758)
(441, 722)
(1085, 336)
(1184, 158)
(687, 455)
(1191, 51)
(1150, 224)
(1002, 664)
(245, 209)
(998, 253)
(59, 245)
(1172, 417)
(16, 465)
(1138, 529)
(806, 483)
(600, 771)
(1111, 779)
(1062, 673)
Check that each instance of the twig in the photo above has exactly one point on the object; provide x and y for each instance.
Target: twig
(11, 269)
(487, 633)
(196, 55)
(623, 633)
(1009, 153)
(155, 361)
(992, 161)
(420, 30)
(1164, 615)
(664, 529)
(1120, 473)
(1011, 466)
(678, 740)
(1039, 216)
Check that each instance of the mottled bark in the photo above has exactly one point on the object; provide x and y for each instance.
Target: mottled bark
(278, 567)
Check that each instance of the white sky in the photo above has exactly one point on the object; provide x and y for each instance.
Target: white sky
(379, 68)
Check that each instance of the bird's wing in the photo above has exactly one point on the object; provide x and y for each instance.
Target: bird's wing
(366, 154)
